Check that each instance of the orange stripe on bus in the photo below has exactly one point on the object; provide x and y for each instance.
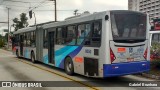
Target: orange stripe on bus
(79, 59)
(121, 49)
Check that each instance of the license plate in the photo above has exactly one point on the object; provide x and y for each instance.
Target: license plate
(130, 59)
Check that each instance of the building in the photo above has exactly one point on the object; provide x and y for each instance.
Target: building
(151, 7)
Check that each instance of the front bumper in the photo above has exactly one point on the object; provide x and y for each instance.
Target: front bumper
(120, 69)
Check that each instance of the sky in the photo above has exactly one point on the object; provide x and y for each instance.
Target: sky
(45, 9)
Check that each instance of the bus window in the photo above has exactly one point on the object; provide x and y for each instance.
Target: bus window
(81, 30)
(71, 35)
(135, 25)
(33, 37)
(140, 31)
(28, 39)
(25, 40)
(45, 39)
(126, 32)
(83, 34)
(96, 33)
(60, 39)
(133, 32)
(87, 34)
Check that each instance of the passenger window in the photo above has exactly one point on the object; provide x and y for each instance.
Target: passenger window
(60, 39)
(28, 39)
(45, 39)
(71, 35)
(33, 42)
(31, 39)
(89, 34)
(83, 34)
(81, 30)
(96, 33)
(25, 40)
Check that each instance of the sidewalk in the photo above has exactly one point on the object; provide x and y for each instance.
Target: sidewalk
(154, 72)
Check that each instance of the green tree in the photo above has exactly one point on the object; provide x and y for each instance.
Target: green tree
(1, 41)
(0, 36)
(22, 23)
(6, 37)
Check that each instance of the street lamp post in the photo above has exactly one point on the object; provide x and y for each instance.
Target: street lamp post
(55, 7)
(35, 19)
(8, 27)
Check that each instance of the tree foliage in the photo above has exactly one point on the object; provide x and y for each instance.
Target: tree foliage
(20, 23)
(2, 42)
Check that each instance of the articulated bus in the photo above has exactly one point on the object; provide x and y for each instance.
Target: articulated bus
(103, 44)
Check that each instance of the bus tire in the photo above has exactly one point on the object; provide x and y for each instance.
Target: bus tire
(17, 54)
(68, 66)
(33, 57)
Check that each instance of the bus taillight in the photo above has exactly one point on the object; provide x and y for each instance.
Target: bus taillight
(145, 54)
(112, 56)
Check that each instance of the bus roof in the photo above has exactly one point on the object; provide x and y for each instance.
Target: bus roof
(25, 30)
(78, 19)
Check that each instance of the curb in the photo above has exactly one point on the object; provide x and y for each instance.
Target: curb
(151, 76)
(6, 49)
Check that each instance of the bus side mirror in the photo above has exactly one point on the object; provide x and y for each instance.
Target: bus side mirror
(106, 17)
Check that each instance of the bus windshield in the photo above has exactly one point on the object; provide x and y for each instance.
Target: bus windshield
(129, 26)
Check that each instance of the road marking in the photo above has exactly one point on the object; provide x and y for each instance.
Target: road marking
(89, 86)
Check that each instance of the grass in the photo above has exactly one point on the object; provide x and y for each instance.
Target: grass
(155, 68)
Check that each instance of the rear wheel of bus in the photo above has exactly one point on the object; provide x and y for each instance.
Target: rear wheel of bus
(69, 67)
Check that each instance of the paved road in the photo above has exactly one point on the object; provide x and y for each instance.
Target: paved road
(14, 69)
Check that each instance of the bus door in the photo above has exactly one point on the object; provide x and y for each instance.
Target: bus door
(51, 47)
(21, 44)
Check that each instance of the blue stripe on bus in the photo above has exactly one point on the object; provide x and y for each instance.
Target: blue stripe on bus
(26, 53)
(71, 51)
(110, 70)
(75, 52)
(72, 55)
(61, 57)
(45, 59)
(61, 54)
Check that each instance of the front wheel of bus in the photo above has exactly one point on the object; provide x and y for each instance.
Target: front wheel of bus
(33, 57)
(69, 68)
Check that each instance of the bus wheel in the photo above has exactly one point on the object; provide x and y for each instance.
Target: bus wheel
(17, 54)
(33, 57)
(69, 68)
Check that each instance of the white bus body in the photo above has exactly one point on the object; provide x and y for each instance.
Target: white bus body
(104, 44)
